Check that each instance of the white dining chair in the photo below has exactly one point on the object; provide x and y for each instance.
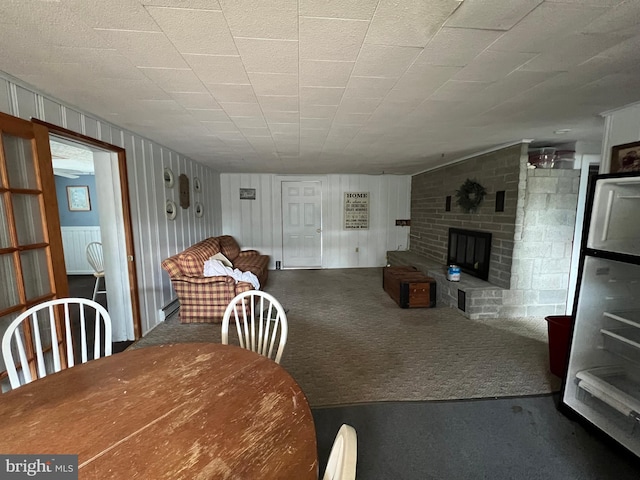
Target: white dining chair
(344, 455)
(37, 327)
(261, 323)
(96, 260)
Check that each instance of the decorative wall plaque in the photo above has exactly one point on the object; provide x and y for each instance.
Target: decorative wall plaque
(183, 182)
(356, 210)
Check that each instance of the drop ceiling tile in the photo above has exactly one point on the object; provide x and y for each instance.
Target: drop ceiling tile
(456, 46)
(284, 129)
(316, 73)
(318, 111)
(144, 49)
(200, 4)
(257, 123)
(574, 50)
(195, 100)
(514, 83)
(278, 103)
(546, 26)
(410, 23)
(457, 91)
(359, 105)
(384, 60)
(209, 115)
(624, 16)
(315, 123)
(274, 83)
(347, 118)
(218, 68)
(249, 132)
(369, 87)
(240, 109)
(268, 56)
(320, 95)
(282, 117)
(194, 30)
(492, 65)
(331, 39)
(224, 93)
(116, 14)
(355, 9)
(174, 80)
(260, 19)
(491, 14)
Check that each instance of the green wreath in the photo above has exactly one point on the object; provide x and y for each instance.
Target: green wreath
(470, 195)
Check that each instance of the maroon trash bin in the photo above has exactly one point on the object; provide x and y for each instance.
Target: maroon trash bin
(559, 329)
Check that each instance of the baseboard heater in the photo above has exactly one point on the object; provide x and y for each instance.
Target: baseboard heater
(170, 308)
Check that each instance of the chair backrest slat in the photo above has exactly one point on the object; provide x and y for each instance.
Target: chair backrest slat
(269, 336)
(49, 356)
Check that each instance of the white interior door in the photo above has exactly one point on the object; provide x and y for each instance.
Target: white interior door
(301, 224)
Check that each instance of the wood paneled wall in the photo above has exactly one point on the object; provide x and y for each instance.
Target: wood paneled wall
(155, 236)
(258, 223)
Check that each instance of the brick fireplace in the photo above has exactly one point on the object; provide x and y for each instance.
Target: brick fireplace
(531, 233)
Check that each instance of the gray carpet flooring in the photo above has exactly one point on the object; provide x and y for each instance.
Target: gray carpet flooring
(350, 343)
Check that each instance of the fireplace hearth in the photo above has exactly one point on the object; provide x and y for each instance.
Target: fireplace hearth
(471, 251)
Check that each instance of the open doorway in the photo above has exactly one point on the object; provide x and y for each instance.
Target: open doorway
(78, 208)
(101, 168)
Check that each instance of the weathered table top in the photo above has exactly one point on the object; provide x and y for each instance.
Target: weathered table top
(187, 411)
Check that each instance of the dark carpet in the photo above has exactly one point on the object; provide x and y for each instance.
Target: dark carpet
(503, 438)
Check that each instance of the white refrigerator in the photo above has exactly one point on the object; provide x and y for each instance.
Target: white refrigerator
(602, 384)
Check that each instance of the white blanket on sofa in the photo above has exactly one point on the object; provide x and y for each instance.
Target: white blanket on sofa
(213, 268)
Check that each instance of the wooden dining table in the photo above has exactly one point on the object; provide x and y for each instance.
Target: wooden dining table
(180, 411)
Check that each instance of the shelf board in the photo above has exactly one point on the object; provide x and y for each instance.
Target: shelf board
(630, 317)
(612, 386)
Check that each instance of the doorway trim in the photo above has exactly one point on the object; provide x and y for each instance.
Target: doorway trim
(126, 209)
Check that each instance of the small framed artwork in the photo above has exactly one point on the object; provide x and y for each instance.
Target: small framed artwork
(78, 199)
(625, 158)
(247, 194)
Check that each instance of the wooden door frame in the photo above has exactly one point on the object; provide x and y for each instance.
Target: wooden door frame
(126, 209)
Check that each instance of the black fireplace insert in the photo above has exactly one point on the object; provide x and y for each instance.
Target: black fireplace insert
(471, 251)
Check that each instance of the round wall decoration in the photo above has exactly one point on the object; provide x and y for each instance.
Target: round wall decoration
(199, 210)
(171, 209)
(470, 195)
(196, 184)
(168, 177)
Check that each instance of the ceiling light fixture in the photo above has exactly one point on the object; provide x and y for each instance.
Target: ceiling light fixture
(562, 131)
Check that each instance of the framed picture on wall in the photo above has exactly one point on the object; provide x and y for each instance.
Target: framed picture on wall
(625, 157)
(78, 199)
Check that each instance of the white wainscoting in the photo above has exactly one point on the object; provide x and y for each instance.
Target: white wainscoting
(74, 242)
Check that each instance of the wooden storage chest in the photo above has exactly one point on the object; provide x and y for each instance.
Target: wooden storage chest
(409, 287)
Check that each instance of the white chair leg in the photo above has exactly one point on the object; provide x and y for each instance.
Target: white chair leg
(95, 289)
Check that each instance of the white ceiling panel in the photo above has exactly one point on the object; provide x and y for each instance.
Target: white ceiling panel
(457, 46)
(354, 9)
(338, 86)
(260, 19)
(195, 30)
(195, 100)
(410, 23)
(174, 80)
(325, 73)
(492, 65)
(384, 60)
(330, 38)
(144, 49)
(546, 26)
(491, 14)
(281, 103)
(274, 83)
(268, 56)
(320, 95)
(218, 68)
(232, 93)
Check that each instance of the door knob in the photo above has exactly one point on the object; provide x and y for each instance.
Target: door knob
(318, 230)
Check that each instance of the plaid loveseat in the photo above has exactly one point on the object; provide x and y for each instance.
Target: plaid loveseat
(204, 299)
